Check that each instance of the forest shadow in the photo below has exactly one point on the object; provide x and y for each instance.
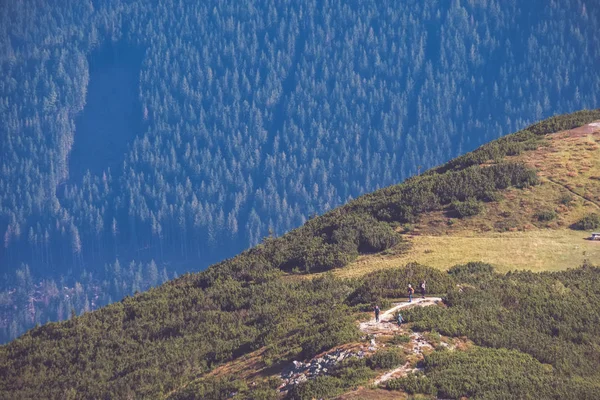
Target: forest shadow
(112, 116)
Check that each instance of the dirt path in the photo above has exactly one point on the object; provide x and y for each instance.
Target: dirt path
(395, 373)
(386, 324)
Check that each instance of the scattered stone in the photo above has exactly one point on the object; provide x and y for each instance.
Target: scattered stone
(299, 372)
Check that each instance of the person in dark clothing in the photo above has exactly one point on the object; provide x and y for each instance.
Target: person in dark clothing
(423, 290)
(376, 313)
(411, 291)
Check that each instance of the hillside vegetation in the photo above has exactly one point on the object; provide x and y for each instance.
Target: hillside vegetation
(552, 317)
(165, 341)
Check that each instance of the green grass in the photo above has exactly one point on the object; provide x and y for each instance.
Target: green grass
(536, 250)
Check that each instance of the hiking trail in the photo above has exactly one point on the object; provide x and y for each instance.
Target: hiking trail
(582, 197)
(387, 326)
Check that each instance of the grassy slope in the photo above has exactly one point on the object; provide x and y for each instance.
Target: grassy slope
(507, 234)
(536, 250)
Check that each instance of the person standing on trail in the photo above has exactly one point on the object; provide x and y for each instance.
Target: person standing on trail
(423, 289)
(400, 319)
(411, 291)
(376, 313)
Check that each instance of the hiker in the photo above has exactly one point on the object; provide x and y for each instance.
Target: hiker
(376, 313)
(411, 291)
(400, 319)
(423, 289)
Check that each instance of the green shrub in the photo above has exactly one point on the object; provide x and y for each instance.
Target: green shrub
(485, 373)
(329, 242)
(507, 146)
(589, 222)
(545, 215)
(222, 388)
(405, 202)
(386, 359)
(492, 196)
(434, 337)
(467, 208)
(471, 272)
(353, 372)
(321, 387)
(400, 339)
(328, 328)
(413, 384)
(565, 199)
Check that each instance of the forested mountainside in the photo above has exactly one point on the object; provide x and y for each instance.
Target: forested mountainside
(175, 134)
(267, 306)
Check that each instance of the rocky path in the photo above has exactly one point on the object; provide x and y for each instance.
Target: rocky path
(387, 326)
(299, 372)
(386, 322)
(400, 371)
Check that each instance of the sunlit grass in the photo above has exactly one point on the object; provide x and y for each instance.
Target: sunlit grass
(539, 250)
